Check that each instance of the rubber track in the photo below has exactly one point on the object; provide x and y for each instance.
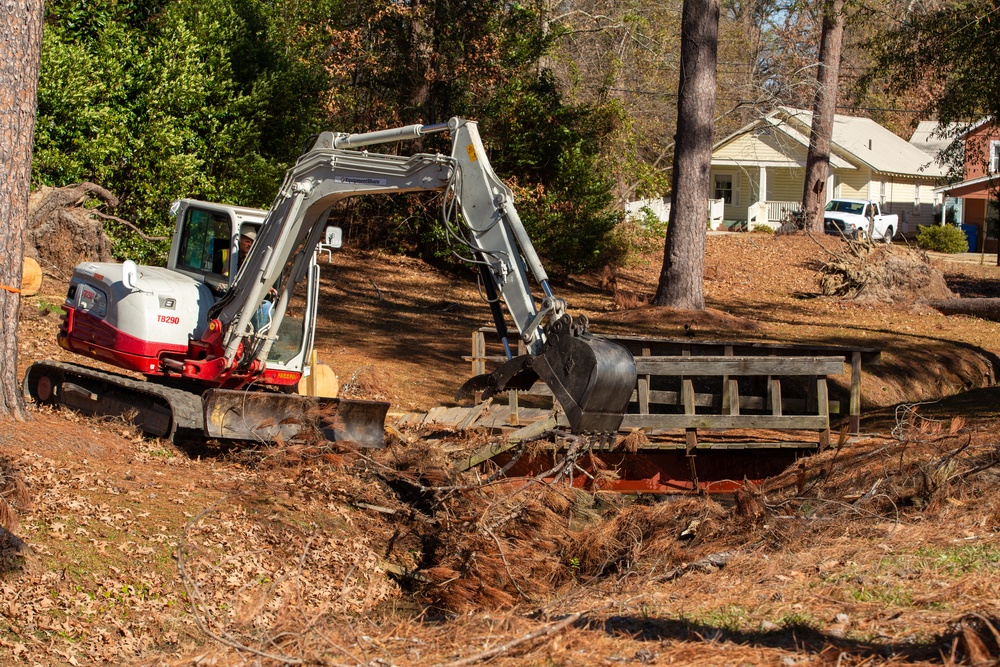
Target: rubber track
(186, 407)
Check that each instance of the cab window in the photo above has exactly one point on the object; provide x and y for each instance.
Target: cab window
(205, 242)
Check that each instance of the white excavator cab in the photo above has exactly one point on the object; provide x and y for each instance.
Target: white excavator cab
(206, 246)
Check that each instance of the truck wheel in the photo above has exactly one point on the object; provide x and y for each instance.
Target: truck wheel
(889, 232)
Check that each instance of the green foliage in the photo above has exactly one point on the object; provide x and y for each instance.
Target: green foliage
(958, 560)
(636, 237)
(552, 151)
(158, 101)
(214, 99)
(947, 238)
(762, 229)
(730, 617)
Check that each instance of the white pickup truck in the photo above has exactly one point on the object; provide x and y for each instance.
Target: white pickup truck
(853, 217)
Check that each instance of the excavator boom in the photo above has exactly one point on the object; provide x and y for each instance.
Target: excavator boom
(207, 329)
(592, 377)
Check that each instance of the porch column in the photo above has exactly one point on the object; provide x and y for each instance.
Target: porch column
(762, 208)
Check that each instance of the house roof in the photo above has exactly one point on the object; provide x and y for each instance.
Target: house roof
(774, 144)
(975, 186)
(858, 140)
(931, 137)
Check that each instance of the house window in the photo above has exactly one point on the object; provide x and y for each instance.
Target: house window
(724, 187)
(916, 197)
(994, 157)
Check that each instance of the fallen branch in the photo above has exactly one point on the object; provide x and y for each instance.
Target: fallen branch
(544, 631)
(122, 221)
(984, 309)
(66, 196)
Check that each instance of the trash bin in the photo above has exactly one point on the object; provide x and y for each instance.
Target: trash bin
(972, 234)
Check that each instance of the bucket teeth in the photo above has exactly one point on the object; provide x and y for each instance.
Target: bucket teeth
(515, 373)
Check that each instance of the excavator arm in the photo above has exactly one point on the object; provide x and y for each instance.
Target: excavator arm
(591, 377)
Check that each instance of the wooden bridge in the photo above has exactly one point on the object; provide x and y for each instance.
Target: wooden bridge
(712, 412)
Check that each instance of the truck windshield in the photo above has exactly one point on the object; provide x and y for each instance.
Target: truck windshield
(856, 208)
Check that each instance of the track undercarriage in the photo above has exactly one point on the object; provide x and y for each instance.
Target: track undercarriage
(179, 414)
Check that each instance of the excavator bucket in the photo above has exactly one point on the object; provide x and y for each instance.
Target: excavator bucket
(592, 378)
(243, 415)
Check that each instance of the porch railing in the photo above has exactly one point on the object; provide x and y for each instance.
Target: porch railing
(777, 210)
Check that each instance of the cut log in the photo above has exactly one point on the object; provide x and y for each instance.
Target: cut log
(31, 277)
(322, 381)
(985, 309)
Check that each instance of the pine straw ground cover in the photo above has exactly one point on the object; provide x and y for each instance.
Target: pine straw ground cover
(881, 551)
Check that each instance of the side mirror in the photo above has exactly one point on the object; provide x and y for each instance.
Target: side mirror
(130, 274)
(333, 237)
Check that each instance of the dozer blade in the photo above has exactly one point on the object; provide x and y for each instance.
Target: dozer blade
(253, 415)
(592, 378)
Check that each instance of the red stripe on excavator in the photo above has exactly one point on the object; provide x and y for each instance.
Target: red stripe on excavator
(93, 337)
(281, 378)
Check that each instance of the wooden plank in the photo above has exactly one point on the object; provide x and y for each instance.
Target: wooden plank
(822, 396)
(434, 413)
(496, 358)
(515, 438)
(474, 414)
(855, 414)
(478, 352)
(719, 422)
(730, 390)
(642, 382)
(534, 429)
(775, 396)
(870, 354)
(687, 396)
(657, 397)
(687, 388)
(739, 366)
(725, 446)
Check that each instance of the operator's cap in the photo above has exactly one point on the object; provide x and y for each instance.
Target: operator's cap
(249, 232)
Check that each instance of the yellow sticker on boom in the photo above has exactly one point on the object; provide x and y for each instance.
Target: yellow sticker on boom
(472, 152)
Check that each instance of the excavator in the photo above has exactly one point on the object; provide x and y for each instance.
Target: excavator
(217, 341)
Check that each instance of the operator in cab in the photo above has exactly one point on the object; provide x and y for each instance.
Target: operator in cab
(247, 237)
(262, 318)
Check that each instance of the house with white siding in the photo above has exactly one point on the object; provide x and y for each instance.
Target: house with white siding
(759, 170)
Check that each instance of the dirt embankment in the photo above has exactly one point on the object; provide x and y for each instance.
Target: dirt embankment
(881, 551)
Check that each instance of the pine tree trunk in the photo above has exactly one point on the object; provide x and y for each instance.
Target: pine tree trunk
(682, 276)
(20, 49)
(824, 108)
